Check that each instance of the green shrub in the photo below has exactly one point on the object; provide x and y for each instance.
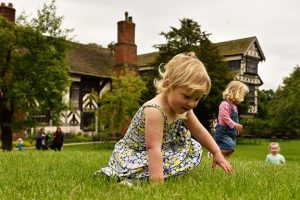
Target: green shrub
(257, 127)
(70, 138)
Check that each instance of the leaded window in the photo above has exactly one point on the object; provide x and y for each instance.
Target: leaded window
(74, 95)
(251, 65)
(41, 118)
(251, 94)
(234, 65)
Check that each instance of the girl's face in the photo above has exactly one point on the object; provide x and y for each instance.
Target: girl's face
(182, 99)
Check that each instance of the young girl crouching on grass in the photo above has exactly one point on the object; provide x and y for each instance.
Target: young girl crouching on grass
(157, 145)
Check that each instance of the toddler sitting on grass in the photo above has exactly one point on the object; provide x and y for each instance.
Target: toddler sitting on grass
(274, 157)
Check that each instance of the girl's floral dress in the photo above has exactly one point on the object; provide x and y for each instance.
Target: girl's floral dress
(180, 152)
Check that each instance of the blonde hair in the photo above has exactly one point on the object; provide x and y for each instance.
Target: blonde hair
(235, 91)
(184, 69)
(274, 144)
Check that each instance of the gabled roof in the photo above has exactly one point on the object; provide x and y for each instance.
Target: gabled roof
(147, 59)
(99, 62)
(90, 60)
(227, 48)
(238, 47)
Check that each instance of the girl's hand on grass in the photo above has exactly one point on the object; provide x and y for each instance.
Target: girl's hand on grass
(218, 159)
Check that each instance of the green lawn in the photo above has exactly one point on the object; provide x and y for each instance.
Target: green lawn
(32, 174)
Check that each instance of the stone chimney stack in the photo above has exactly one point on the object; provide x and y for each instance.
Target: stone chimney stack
(125, 48)
(8, 11)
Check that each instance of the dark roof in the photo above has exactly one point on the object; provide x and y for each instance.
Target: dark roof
(147, 59)
(238, 47)
(99, 62)
(90, 60)
(227, 48)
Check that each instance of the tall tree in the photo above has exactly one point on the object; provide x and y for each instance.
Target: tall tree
(189, 37)
(285, 108)
(120, 104)
(34, 71)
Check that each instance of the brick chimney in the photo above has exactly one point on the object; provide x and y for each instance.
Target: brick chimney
(8, 11)
(125, 48)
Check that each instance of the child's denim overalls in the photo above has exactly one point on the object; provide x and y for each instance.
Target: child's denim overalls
(225, 136)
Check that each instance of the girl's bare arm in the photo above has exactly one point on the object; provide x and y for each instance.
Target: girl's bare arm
(200, 133)
(154, 123)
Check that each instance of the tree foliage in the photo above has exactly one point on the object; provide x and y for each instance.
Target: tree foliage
(33, 68)
(285, 108)
(120, 104)
(278, 112)
(264, 98)
(260, 125)
(187, 38)
(148, 78)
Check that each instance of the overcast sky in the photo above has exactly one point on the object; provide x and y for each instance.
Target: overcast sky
(275, 23)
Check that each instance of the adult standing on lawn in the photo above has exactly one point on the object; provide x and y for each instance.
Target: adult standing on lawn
(58, 140)
(40, 138)
(157, 145)
(228, 126)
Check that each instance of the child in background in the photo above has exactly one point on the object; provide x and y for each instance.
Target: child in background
(45, 141)
(157, 145)
(274, 157)
(228, 126)
(20, 144)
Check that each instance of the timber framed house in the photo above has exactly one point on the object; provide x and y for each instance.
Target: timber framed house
(243, 57)
(91, 68)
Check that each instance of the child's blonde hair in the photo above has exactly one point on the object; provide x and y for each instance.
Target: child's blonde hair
(274, 144)
(235, 91)
(184, 69)
(20, 140)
